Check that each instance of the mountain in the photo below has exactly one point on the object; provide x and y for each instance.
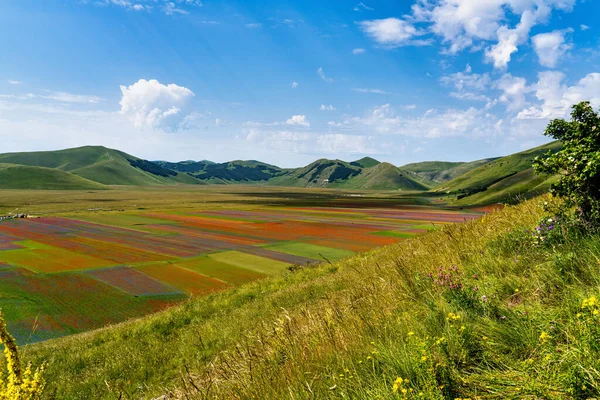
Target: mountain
(341, 174)
(99, 164)
(92, 167)
(437, 172)
(14, 176)
(502, 179)
(365, 162)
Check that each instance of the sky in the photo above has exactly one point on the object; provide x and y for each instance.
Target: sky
(290, 81)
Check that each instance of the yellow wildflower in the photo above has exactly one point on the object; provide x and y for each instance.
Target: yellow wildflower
(590, 303)
(544, 337)
(397, 384)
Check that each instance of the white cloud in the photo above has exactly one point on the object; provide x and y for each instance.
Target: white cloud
(584, 27)
(362, 7)
(384, 120)
(410, 106)
(13, 82)
(298, 120)
(338, 143)
(469, 86)
(253, 25)
(551, 46)
(358, 51)
(514, 90)
(557, 98)
(477, 24)
(70, 97)
(390, 32)
(322, 75)
(218, 122)
(61, 97)
(294, 85)
(150, 103)
(366, 90)
(169, 7)
(327, 108)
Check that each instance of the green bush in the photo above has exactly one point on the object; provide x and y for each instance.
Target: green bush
(578, 163)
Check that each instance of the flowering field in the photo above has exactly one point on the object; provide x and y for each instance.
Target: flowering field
(66, 274)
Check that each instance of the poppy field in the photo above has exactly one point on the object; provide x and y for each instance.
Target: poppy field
(71, 273)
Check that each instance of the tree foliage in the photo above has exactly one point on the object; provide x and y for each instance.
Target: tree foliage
(577, 163)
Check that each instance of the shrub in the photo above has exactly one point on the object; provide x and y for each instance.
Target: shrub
(578, 163)
(16, 383)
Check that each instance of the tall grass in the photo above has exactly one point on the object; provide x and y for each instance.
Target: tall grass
(475, 310)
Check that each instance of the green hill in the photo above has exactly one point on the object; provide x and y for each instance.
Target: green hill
(472, 310)
(25, 177)
(383, 176)
(100, 164)
(365, 162)
(503, 179)
(438, 172)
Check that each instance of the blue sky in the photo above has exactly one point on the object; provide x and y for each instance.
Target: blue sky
(288, 82)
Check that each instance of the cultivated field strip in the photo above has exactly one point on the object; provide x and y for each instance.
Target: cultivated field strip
(62, 275)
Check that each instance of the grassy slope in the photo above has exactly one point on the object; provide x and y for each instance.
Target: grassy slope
(380, 176)
(365, 162)
(352, 328)
(25, 177)
(435, 173)
(383, 176)
(95, 163)
(498, 178)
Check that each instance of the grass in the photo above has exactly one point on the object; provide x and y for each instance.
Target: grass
(25, 177)
(501, 179)
(506, 319)
(249, 261)
(310, 250)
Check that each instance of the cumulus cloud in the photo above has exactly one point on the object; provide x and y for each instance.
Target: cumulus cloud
(149, 103)
(514, 90)
(551, 46)
(391, 32)
(468, 85)
(327, 108)
(556, 98)
(298, 120)
(464, 24)
(294, 85)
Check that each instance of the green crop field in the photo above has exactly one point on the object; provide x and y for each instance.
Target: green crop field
(146, 249)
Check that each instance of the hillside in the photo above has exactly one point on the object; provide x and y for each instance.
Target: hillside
(484, 315)
(501, 179)
(438, 172)
(25, 177)
(101, 165)
(341, 174)
(383, 176)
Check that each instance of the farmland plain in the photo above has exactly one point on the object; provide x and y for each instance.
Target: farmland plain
(86, 259)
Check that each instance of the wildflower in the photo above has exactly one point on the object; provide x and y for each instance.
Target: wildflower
(544, 337)
(516, 290)
(452, 317)
(590, 303)
(503, 317)
(423, 358)
(484, 298)
(397, 384)
(411, 333)
(475, 276)
(475, 288)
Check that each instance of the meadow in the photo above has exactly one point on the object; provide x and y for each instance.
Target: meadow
(84, 260)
